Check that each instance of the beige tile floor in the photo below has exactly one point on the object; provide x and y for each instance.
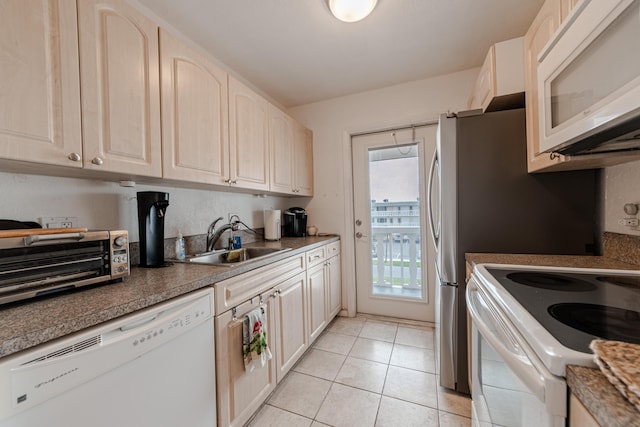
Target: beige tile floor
(366, 372)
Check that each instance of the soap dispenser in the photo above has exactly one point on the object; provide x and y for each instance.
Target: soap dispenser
(180, 252)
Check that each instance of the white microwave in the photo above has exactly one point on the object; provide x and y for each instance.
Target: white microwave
(589, 80)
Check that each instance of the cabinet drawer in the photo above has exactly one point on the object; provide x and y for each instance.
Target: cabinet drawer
(333, 249)
(316, 256)
(233, 291)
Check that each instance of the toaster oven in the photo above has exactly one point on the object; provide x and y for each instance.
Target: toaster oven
(36, 263)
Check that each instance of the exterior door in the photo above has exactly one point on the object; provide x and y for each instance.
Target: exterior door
(394, 253)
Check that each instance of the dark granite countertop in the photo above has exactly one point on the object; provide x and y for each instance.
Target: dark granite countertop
(30, 323)
(601, 398)
(589, 385)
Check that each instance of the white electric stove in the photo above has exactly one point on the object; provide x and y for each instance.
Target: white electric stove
(529, 323)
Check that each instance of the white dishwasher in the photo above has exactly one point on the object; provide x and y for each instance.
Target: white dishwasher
(151, 368)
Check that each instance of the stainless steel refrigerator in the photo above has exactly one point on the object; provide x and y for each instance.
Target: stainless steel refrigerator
(483, 200)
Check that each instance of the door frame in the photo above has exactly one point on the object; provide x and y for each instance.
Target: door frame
(348, 244)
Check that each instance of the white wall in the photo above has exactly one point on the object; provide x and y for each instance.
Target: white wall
(622, 185)
(106, 205)
(334, 120)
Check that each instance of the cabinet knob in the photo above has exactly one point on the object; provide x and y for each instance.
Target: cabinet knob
(74, 157)
(97, 161)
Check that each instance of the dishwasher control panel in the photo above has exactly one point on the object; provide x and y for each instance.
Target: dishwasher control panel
(175, 325)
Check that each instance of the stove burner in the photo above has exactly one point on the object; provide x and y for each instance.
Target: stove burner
(605, 322)
(624, 281)
(550, 281)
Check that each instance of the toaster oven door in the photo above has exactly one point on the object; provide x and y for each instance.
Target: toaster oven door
(35, 265)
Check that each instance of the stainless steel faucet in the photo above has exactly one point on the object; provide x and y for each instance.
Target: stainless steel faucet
(214, 235)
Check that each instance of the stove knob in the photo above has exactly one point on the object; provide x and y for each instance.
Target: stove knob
(120, 241)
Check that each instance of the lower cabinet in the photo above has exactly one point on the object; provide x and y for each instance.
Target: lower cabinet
(334, 278)
(316, 278)
(291, 325)
(325, 287)
(579, 415)
(240, 392)
(299, 303)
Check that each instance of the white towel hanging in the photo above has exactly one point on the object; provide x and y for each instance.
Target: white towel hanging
(254, 339)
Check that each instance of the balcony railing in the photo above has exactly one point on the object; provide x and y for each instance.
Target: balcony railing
(396, 257)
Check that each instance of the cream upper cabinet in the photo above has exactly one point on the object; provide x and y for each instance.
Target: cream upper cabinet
(281, 134)
(291, 155)
(195, 140)
(40, 84)
(566, 6)
(303, 161)
(120, 88)
(539, 33)
(500, 82)
(248, 137)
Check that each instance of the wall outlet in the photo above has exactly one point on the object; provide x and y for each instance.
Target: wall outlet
(59, 221)
(629, 222)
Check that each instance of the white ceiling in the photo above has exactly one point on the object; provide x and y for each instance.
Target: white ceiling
(297, 53)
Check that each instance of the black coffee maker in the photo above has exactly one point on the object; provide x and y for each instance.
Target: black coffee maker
(295, 222)
(152, 206)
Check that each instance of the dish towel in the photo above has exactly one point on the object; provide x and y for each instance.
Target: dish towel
(254, 339)
(618, 361)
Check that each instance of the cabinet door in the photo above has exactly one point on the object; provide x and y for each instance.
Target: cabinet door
(316, 282)
(539, 33)
(485, 83)
(239, 392)
(291, 334)
(40, 84)
(120, 88)
(334, 290)
(281, 135)
(195, 141)
(248, 137)
(303, 161)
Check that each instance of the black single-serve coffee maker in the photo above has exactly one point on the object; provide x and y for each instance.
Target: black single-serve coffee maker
(152, 206)
(295, 222)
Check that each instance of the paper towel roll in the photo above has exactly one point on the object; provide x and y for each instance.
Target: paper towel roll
(272, 224)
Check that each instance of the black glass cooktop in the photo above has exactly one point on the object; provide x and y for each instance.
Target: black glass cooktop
(577, 307)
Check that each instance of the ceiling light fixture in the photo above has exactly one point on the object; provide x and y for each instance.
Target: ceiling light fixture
(351, 10)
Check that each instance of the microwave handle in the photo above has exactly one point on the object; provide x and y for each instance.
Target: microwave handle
(35, 238)
(508, 348)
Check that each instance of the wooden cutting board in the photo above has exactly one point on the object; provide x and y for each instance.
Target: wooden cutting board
(31, 231)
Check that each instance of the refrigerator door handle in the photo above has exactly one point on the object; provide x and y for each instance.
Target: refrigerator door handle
(448, 332)
(432, 171)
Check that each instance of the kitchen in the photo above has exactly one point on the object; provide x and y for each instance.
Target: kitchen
(330, 121)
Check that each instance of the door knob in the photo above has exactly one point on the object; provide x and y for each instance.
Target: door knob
(358, 222)
(359, 235)
(74, 157)
(97, 161)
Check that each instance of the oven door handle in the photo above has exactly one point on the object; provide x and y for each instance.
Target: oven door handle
(503, 341)
(35, 238)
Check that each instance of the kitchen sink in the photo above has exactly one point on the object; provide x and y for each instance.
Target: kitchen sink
(233, 257)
